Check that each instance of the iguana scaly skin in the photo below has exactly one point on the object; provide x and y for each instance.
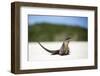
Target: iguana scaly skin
(64, 50)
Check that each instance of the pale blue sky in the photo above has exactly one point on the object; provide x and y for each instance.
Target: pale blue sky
(71, 20)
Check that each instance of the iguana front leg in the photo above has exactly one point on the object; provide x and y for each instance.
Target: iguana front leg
(67, 51)
(64, 50)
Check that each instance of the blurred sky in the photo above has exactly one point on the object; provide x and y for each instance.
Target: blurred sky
(72, 20)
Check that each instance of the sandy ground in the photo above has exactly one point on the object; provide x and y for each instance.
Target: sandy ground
(78, 50)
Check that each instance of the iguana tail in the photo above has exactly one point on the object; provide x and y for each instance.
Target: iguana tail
(50, 51)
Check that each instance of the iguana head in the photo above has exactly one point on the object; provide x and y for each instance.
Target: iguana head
(67, 39)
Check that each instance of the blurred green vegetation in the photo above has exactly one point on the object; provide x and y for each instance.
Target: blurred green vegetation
(55, 32)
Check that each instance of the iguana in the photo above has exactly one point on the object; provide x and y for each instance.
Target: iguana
(64, 50)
